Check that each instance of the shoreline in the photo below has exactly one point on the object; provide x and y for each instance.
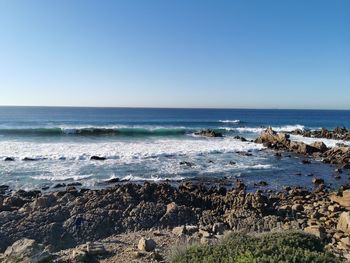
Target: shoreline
(64, 221)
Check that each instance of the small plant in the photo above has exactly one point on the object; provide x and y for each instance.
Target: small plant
(282, 247)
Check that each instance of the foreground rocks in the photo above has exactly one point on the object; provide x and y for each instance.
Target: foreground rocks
(71, 218)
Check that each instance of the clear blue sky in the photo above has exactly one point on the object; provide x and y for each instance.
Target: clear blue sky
(186, 53)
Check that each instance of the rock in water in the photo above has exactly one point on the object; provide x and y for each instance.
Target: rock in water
(320, 146)
(208, 133)
(97, 158)
(146, 244)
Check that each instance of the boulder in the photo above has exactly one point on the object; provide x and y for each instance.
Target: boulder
(26, 250)
(320, 146)
(208, 133)
(272, 137)
(146, 244)
(95, 249)
(318, 231)
(302, 148)
(344, 222)
(9, 159)
(342, 199)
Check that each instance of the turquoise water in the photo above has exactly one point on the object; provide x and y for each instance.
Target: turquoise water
(149, 144)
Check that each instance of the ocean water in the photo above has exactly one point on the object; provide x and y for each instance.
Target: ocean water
(149, 144)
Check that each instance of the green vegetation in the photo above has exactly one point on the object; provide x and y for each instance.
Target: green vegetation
(280, 247)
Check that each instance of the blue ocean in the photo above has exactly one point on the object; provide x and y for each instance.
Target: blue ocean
(154, 144)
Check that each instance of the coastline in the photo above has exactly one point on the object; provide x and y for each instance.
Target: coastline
(190, 212)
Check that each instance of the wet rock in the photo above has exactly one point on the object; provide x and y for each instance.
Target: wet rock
(305, 161)
(112, 181)
(188, 164)
(28, 159)
(320, 146)
(317, 181)
(59, 185)
(261, 183)
(302, 148)
(146, 244)
(208, 133)
(9, 159)
(97, 158)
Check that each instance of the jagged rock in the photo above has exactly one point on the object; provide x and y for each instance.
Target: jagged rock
(208, 133)
(302, 148)
(26, 250)
(271, 137)
(146, 244)
(320, 146)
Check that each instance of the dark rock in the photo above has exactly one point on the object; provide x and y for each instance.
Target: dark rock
(208, 133)
(305, 161)
(28, 159)
(9, 159)
(97, 158)
(59, 185)
(113, 180)
(317, 181)
(189, 164)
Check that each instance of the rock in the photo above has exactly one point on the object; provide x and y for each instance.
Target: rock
(208, 133)
(269, 136)
(188, 164)
(305, 161)
(298, 207)
(344, 222)
(146, 244)
(9, 159)
(318, 231)
(219, 228)
(261, 183)
(346, 166)
(345, 241)
(95, 248)
(320, 146)
(343, 199)
(26, 250)
(112, 181)
(28, 159)
(59, 185)
(97, 158)
(179, 231)
(302, 148)
(317, 181)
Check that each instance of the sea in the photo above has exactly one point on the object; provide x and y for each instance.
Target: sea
(155, 144)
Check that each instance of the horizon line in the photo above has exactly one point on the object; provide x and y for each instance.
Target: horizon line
(184, 108)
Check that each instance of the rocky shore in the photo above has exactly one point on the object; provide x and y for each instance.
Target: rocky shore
(71, 218)
(143, 222)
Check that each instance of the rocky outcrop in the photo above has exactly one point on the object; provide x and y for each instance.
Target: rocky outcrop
(208, 133)
(339, 133)
(26, 250)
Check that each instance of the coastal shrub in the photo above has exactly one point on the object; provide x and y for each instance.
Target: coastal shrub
(282, 247)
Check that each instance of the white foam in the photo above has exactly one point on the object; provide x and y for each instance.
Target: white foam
(230, 121)
(286, 128)
(152, 178)
(124, 150)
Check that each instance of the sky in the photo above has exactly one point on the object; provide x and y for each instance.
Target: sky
(179, 53)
